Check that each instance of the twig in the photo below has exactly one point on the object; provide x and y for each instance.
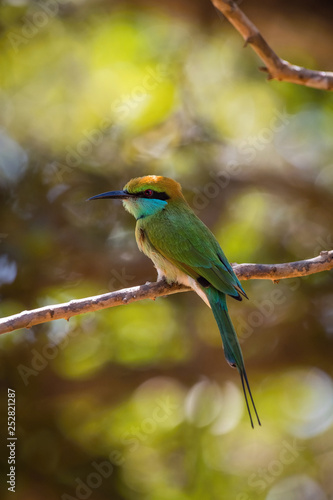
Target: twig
(26, 319)
(277, 69)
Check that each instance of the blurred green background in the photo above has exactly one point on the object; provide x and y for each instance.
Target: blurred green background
(137, 402)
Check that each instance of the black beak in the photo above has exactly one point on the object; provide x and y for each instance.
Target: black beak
(122, 195)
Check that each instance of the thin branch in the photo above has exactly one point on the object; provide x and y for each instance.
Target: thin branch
(277, 69)
(275, 272)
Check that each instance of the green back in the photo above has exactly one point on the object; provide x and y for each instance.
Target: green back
(182, 238)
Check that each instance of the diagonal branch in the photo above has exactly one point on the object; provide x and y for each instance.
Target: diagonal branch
(275, 272)
(277, 69)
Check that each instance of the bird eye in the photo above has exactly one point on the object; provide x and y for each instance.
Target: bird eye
(148, 193)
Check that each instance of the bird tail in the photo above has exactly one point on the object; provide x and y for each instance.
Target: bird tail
(232, 350)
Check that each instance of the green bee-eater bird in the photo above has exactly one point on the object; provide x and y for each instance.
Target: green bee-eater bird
(184, 250)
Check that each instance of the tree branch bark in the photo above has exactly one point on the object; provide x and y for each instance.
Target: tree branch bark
(277, 68)
(275, 272)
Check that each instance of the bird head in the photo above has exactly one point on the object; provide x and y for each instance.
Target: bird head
(144, 196)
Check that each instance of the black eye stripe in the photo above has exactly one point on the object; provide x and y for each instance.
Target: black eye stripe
(156, 195)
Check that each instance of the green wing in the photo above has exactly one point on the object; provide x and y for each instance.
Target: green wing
(183, 239)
